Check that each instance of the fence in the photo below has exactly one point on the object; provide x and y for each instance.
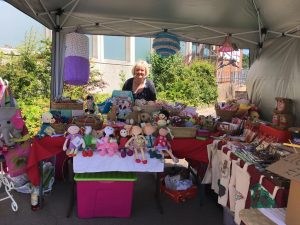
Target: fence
(235, 77)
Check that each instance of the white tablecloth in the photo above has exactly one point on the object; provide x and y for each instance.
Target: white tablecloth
(98, 163)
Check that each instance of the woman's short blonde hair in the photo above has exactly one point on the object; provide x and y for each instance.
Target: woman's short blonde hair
(143, 64)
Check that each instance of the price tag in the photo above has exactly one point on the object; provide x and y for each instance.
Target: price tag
(76, 142)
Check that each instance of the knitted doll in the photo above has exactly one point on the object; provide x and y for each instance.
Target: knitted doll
(90, 105)
(163, 118)
(89, 142)
(162, 145)
(148, 130)
(106, 145)
(46, 129)
(137, 142)
(75, 141)
(123, 139)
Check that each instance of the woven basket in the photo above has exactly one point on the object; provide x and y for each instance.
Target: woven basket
(225, 115)
(66, 105)
(150, 108)
(89, 120)
(184, 132)
(59, 128)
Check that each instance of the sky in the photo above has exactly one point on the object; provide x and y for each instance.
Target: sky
(14, 24)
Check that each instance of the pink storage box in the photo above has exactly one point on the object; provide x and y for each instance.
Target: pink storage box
(104, 194)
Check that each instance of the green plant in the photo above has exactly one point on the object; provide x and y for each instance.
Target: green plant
(122, 76)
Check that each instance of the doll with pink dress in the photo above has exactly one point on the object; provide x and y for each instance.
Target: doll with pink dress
(106, 144)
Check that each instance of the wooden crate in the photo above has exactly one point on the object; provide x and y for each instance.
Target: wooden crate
(66, 105)
(184, 132)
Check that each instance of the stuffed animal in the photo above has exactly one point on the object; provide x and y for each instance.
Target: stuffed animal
(145, 117)
(46, 129)
(163, 118)
(123, 139)
(138, 143)
(106, 145)
(90, 105)
(112, 114)
(162, 145)
(75, 140)
(134, 117)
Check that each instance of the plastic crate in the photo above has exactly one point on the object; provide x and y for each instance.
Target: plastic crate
(106, 194)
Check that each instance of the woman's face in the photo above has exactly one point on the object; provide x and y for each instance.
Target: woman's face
(140, 72)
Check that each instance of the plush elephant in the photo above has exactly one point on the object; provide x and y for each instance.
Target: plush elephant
(7, 129)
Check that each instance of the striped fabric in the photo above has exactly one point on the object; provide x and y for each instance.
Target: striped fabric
(166, 44)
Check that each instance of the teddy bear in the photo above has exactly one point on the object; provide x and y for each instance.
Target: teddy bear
(75, 140)
(106, 144)
(134, 117)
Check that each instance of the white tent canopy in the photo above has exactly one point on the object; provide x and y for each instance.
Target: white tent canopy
(248, 22)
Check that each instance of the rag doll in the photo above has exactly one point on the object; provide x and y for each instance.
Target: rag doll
(149, 130)
(106, 144)
(123, 139)
(75, 141)
(46, 129)
(90, 105)
(163, 118)
(162, 145)
(89, 142)
(138, 143)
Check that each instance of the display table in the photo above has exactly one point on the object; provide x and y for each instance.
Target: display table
(263, 216)
(98, 163)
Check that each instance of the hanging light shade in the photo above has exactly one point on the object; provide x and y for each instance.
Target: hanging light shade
(226, 46)
(76, 61)
(166, 44)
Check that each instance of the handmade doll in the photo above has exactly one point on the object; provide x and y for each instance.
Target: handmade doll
(46, 129)
(137, 142)
(162, 145)
(90, 105)
(123, 139)
(112, 114)
(149, 130)
(89, 142)
(75, 141)
(163, 118)
(106, 145)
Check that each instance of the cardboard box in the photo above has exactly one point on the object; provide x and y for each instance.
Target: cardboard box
(107, 194)
(289, 167)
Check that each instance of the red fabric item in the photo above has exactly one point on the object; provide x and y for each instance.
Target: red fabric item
(42, 149)
(191, 148)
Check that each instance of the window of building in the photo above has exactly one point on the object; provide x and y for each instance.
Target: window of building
(182, 48)
(142, 48)
(114, 48)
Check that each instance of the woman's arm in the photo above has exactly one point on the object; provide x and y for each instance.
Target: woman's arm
(128, 85)
(152, 91)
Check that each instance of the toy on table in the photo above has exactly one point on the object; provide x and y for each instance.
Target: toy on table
(149, 130)
(89, 142)
(162, 145)
(123, 139)
(134, 117)
(106, 144)
(112, 114)
(90, 105)
(163, 118)
(138, 143)
(46, 129)
(75, 140)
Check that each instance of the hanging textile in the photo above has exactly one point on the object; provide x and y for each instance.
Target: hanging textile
(166, 44)
(76, 62)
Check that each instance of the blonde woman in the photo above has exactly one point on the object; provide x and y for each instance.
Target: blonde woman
(141, 87)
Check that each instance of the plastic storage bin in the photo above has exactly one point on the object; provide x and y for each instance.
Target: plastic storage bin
(107, 194)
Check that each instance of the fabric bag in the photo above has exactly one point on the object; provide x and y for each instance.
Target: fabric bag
(16, 159)
(207, 176)
(225, 170)
(242, 188)
(232, 184)
(261, 197)
(215, 163)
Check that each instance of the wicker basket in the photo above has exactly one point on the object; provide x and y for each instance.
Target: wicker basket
(184, 132)
(225, 115)
(59, 128)
(89, 120)
(66, 105)
(150, 108)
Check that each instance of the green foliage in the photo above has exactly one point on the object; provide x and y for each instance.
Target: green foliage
(245, 61)
(193, 84)
(122, 76)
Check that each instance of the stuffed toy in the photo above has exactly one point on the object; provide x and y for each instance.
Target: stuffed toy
(149, 130)
(75, 140)
(145, 117)
(112, 114)
(138, 143)
(123, 139)
(106, 144)
(90, 105)
(46, 129)
(134, 117)
(162, 145)
(163, 118)
(89, 142)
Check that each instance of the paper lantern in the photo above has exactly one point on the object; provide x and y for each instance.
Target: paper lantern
(227, 45)
(76, 62)
(166, 44)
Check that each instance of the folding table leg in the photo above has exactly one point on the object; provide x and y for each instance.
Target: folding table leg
(200, 186)
(72, 188)
(157, 194)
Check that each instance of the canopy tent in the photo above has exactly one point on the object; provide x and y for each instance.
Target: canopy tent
(248, 22)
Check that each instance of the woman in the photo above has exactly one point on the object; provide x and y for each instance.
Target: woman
(141, 87)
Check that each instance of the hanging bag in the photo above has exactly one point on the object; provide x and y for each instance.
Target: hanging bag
(224, 179)
(232, 184)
